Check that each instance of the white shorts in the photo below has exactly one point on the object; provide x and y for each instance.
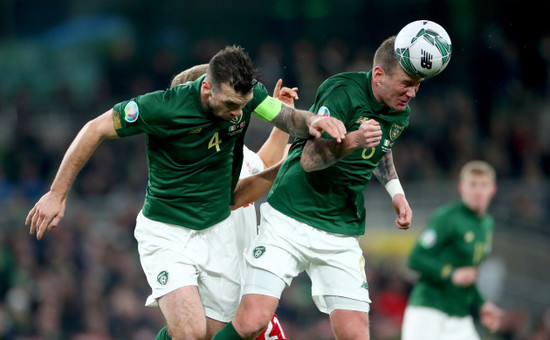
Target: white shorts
(424, 323)
(173, 257)
(246, 230)
(334, 262)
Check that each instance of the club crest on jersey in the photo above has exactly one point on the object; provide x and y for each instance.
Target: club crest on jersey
(258, 251)
(162, 277)
(469, 237)
(236, 120)
(395, 131)
(131, 112)
(323, 111)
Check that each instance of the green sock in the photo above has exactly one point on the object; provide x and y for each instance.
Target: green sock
(163, 334)
(228, 332)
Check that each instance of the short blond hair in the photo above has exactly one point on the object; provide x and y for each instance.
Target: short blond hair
(478, 168)
(190, 74)
(384, 56)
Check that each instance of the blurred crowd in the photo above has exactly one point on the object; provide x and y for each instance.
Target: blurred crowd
(84, 280)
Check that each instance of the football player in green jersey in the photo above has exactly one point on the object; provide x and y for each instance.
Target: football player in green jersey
(269, 156)
(447, 256)
(316, 212)
(194, 135)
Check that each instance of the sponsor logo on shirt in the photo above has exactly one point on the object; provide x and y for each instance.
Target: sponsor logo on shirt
(361, 120)
(131, 112)
(323, 111)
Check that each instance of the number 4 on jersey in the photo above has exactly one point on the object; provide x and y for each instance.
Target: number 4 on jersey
(215, 141)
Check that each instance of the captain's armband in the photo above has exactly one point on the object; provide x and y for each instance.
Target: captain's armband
(269, 108)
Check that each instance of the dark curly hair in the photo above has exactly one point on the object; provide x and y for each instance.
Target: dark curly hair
(232, 65)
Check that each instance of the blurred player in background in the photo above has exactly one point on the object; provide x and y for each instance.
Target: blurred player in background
(316, 210)
(195, 135)
(270, 154)
(447, 256)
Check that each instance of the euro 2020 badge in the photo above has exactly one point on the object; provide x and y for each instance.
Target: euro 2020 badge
(323, 111)
(131, 112)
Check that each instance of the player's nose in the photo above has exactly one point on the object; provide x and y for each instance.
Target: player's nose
(411, 92)
(236, 113)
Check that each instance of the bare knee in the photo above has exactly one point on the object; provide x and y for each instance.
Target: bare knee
(184, 314)
(251, 325)
(347, 324)
(254, 314)
(187, 332)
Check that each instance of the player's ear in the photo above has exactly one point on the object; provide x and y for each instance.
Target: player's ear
(206, 87)
(377, 72)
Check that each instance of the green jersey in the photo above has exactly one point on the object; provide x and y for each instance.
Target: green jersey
(332, 199)
(455, 237)
(193, 158)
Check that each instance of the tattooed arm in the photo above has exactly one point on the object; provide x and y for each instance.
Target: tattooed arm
(321, 153)
(304, 124)
(385, 171)
(387, 175)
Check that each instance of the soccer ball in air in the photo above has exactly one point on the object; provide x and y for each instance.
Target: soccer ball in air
(423, 48)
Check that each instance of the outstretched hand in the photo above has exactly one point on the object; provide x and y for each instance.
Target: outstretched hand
(403, 211)
(46, 214)
(285, 94)
(334, 127)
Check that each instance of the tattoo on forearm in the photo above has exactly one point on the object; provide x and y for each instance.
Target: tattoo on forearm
(321, 153)
(292, 121)
(385, 171)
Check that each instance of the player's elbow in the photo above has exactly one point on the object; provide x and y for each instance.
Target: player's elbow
(240, 198)
(101, 127)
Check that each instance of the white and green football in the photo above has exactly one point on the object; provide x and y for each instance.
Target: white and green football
(423, 48)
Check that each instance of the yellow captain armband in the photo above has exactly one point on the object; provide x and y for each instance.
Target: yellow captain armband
(269, 108)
